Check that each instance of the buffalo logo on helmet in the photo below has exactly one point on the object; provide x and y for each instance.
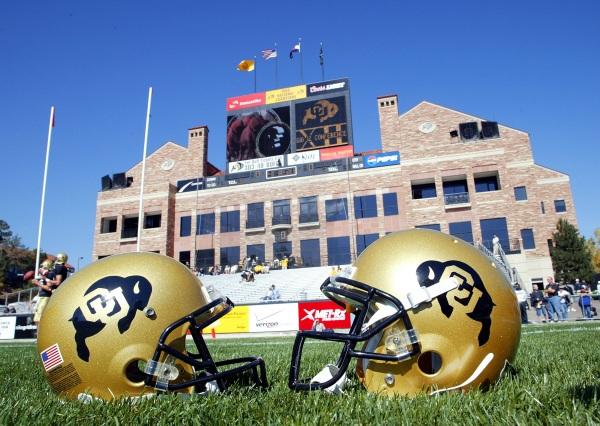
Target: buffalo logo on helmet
(109, 300)
(470, 293)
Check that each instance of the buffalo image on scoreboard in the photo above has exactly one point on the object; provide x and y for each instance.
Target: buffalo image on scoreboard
(321, 123)
(258, 134)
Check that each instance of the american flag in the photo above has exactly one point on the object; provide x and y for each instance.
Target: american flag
(269, 54)
(51, 357)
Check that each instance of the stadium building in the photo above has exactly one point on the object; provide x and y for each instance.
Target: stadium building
(294, 186)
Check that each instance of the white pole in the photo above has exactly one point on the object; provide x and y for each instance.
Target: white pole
(141, 211)
(39, 239)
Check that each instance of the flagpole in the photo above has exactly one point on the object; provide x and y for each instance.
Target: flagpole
(255, 71)
(276, 66)
(301, 64)
(48, 143)
(141, 210)
(322, 62)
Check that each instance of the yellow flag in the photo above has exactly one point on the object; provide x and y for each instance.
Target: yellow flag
(246, 65)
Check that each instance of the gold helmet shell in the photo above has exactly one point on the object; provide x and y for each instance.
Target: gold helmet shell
(432, 314)
(61, 258)
(118, 328)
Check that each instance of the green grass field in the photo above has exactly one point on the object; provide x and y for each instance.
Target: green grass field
(557, 381)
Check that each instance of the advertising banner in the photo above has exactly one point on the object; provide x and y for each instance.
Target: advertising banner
(335, 153)
(188, 185)
(330, 314)
(384, 159)
(274, 317)
(326, 87)
(256, 164)
(321, 123)
(286, 94)
(8, 324)
(236, 321)
(246, 101)
(257, 134)
(303, 157)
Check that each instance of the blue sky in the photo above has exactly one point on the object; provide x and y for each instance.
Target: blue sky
(530, 65)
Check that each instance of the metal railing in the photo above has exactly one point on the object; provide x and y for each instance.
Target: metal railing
(282, 220)
(458, 198)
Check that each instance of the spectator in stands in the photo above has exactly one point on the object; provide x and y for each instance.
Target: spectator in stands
(539, 303)
(284, 262)
(585, 303)
(272, 294)
(496, 246)
(247, 276)
(553, 300)
(522, 298)
(276, 264)
(318, 325)
(258, 268)
(565, 299)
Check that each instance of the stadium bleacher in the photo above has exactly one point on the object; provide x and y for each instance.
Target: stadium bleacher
(293, 285)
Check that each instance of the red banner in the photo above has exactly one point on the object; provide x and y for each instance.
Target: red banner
(328, 313)
(337, 152)
(245, 101)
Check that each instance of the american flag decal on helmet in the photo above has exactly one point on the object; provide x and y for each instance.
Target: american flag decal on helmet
(51, 357)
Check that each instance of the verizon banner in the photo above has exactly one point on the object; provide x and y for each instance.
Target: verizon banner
(330, 314)
(274, 317)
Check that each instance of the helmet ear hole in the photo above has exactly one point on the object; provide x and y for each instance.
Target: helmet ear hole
(430, 362)
(135, 371)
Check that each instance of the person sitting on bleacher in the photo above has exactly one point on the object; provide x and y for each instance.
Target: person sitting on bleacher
(247, 276)
(272, 294)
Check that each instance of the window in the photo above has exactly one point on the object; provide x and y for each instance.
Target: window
(434, 226)
(255, 251)
(152, 221)
(205, 224)
(282, 249)
(185, 226)
(423, 190)
(256, 215)
(281, 212)
(230, 256)
(338, 251)
(528, 240)
(520, 193)
(560, 206)
(487, 183)
(363, 241)
(130, 225)
(491, 227)
(462, 230)
(184, 257)
(365, 206)
(456, 191)
(336, 209)
(205, 258)
(108, 225)
(230, 221)
(308, 210)
(390, 204)
(542, 207)
(310, 252)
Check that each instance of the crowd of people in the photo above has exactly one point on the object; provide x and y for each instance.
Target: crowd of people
(556, 300)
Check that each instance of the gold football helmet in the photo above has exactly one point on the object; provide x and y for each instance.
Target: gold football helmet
(61, 258)
(431, 312)
(118, 328)
(47, 264)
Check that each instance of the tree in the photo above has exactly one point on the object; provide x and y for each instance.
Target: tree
(15, 258)
(593, 245)
(5, 232)
(570, 256)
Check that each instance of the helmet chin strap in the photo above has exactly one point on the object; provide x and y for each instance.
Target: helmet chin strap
(426, 294)
(328, 373)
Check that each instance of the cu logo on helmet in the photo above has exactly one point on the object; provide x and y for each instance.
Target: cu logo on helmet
(110, 302)
(470, 294)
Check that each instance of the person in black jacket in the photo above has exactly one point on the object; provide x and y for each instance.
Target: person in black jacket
(538, 301)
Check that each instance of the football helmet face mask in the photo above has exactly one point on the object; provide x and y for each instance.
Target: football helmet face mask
(431, 312)
(118, 328)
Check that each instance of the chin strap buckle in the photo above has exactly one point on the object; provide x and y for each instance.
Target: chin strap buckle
(328, 373)
(427, 294)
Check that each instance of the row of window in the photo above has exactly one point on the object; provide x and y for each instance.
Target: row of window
(339, 250)
(336, 209)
